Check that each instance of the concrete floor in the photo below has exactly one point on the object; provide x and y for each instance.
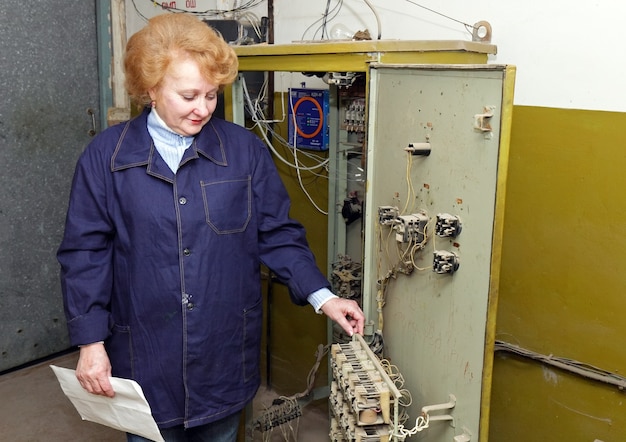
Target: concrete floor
(33, 408)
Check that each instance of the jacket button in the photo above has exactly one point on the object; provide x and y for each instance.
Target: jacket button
(190, 306)
(186, 252)
(182, 200)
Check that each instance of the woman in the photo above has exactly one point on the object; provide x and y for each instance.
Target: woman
(170, 216)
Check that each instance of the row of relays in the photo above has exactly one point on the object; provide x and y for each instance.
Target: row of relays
(362, 397)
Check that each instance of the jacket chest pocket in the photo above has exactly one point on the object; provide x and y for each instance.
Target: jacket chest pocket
(227, 204)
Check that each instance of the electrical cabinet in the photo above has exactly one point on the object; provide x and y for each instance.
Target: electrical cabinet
(437, 156)
(418, 154)
(426, 249)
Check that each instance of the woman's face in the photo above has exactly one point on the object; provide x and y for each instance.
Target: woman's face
(184, 99)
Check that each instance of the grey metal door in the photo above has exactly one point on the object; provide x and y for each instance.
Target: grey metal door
(48, 82)
(436, 168)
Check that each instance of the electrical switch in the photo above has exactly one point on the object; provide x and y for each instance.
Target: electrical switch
(445, 262)
(447, 226)
(387, 215)
(411, 228)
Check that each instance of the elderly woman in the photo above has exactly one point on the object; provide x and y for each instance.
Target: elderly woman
(170, 216)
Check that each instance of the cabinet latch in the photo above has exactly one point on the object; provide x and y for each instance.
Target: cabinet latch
(482, 122)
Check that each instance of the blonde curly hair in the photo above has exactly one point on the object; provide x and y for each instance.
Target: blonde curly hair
(166, 38)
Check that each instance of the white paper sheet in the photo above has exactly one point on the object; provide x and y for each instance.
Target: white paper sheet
(128, 411)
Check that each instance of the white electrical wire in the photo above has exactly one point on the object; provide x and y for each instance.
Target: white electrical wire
(265, 128)
(248, 5)
(263, 124)
(368, 3)
(253, 20)
(324, 19)
(309, 197)
(421, 423)
(295, 155)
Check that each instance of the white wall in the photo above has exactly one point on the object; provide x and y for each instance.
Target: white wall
(568, 54)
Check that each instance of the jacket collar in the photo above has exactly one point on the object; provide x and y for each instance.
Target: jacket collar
(134, 147)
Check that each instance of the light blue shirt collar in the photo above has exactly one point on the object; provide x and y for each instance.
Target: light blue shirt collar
(170, 145)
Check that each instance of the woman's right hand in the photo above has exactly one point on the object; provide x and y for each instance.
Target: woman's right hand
(93, 370)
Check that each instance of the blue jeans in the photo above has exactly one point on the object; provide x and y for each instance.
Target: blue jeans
(224, 430)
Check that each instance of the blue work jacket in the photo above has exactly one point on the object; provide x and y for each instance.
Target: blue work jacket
(165, 268)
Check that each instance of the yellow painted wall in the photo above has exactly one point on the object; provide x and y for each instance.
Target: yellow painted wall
(563, 277)
(297, 331)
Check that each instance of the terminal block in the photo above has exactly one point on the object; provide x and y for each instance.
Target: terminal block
(411, 228)
(281, 412)
(363, 399)
(447, 226)
(387, 215)
(445, 262)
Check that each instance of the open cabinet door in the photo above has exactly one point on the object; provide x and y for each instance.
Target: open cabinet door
(437, 154)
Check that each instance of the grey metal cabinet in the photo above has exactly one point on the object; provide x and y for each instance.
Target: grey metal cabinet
(436, 163)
